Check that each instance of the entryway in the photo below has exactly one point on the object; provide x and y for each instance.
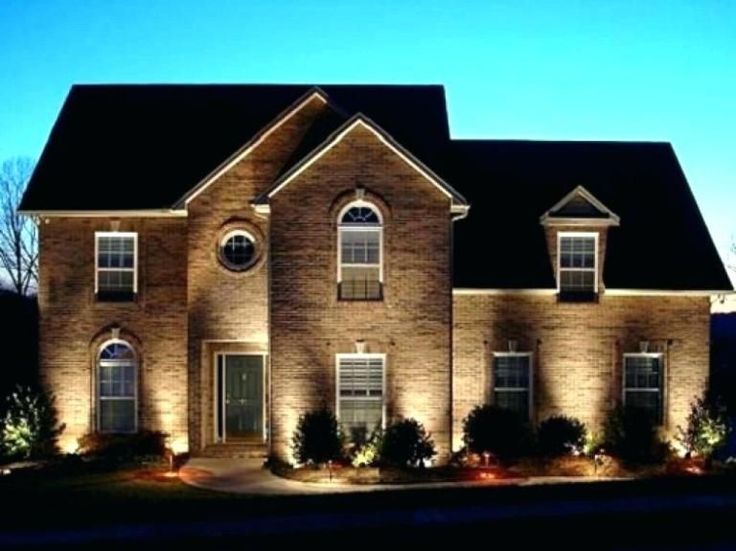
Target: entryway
(239, 397)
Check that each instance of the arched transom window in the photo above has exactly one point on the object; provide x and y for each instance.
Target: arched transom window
(117, 391)
(360, 252)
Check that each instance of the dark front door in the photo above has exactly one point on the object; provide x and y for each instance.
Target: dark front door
(243, 396)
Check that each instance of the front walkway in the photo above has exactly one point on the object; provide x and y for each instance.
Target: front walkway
(248, 476)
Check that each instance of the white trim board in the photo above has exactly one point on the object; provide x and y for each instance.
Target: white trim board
(604, 292)
(142, 213)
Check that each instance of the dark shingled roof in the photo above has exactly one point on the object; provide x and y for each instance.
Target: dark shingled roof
(662, 242)
(145, 146)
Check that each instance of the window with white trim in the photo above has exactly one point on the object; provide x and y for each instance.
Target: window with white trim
(238, 250)
(360, 389)
(643, 383)
(360, 252)
(577, 261)
(116, 254)
(117, 391)
(512, 382)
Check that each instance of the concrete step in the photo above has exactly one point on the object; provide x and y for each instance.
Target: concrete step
(250, 450)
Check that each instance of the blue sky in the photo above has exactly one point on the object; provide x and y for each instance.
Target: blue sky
(605, 70)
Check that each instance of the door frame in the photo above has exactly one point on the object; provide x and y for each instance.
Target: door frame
(220, 400)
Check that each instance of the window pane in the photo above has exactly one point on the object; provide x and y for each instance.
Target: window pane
(511, 382)
(646, 401)
(115, 252)
(115, 280)
(360, 247)
(360, 413)
(577, 252)
(360, 283)
(576, 280)
(643, 377)
(515, 401)
(116, 379)
(361, 377)
(239, 250)
(117, 415)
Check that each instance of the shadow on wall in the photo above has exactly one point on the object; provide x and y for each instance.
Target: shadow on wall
(18, 341)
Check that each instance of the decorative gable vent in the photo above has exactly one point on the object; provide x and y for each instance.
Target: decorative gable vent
(580, 207)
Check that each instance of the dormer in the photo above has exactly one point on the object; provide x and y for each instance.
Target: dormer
(576, 229)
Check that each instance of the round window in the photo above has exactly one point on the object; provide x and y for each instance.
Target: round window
(238, 250)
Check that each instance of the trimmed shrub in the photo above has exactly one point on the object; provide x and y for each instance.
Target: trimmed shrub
(124, 448)
(406, 443)
(631, 435)
(707, 428)
(317, 438)
(29, 427)
(496, 430)
(559, 435)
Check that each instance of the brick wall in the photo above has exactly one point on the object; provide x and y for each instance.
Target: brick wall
(73, 324)
(578, 350)
(228, 311)
(411, 325)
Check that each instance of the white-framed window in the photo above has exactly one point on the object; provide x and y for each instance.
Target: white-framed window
(237, 250)
(116, 264)
(360, 252)
(117, 388)
(577, 263)
(512, 383)
(643, 383)
(361, 380)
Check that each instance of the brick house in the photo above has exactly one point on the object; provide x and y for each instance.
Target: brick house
(215, 260)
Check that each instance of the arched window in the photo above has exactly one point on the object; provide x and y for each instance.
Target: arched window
(117, 388)
(360, 252)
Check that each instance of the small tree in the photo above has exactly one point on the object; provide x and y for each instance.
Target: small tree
(495, 430)
(406, 443)
(707, 428)
(30, 428)
(18, 233)
(317, 438)
(558, 435)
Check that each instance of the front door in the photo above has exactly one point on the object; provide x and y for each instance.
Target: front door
(243, 396)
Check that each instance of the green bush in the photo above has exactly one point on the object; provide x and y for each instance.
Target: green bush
(631, 435)
(30, 428)
(499, 431)
(317, 438)
(707, 428)
(559, 435)
(124, 448)
(406, 443)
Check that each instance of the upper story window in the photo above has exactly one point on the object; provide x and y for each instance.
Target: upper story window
(237, 250)
(577, 265)
(360, 252)
(116, 268)
(643, 383)
(117, 392)
(512, 382)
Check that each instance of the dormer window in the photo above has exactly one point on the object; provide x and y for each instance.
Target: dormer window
(577, 265)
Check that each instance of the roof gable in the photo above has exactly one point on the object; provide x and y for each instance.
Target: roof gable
(361, 121)
(580, 206)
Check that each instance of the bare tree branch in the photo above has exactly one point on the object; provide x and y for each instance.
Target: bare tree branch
(18, 234)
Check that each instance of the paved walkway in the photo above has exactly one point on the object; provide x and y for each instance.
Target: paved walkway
(247, 476)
